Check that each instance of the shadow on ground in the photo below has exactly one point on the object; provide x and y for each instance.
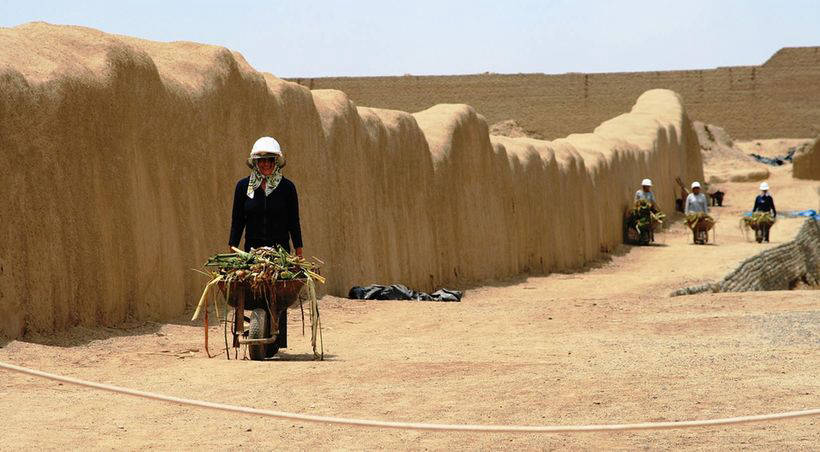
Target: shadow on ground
(77, 336)
(285, 356)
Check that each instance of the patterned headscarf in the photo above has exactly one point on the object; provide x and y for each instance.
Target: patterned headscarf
(271, 182)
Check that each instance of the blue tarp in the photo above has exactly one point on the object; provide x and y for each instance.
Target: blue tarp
(811, 213)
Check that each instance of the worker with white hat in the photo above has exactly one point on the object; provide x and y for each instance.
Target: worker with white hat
(645, 192)
(696, 201)
(765, 203)
(266, 209)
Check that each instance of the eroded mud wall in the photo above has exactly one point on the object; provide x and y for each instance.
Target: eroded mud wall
(120, 158)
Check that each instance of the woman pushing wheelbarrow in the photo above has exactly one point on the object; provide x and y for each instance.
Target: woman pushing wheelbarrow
(763, 214)
(266, 207)
(265, 278)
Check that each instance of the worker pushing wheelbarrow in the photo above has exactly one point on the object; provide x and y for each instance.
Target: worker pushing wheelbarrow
(763, 214)
(700, 224)
(697, 215)
(642, 221)
(644, 218)
(265, 278)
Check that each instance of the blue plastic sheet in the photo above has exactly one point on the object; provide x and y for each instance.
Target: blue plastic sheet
(811, 213)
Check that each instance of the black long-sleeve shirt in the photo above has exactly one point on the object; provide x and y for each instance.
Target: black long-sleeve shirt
(267, 220)
(764, 203)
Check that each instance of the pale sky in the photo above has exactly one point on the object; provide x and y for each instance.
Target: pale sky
(367, 37)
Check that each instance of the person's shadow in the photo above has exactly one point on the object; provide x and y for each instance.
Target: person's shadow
(300, 357)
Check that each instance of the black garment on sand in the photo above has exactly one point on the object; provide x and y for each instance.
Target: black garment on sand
(717, 198)
(400, 292)
(776, 161)
(267, 221)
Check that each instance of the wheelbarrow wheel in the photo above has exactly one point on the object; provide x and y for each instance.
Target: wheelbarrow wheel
(258, 326)
(645, 237)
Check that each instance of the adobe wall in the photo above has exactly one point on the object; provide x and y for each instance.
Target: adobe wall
(807, 162)
(773, 100)
(121, 157)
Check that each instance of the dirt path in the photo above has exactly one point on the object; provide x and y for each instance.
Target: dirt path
(603, 346)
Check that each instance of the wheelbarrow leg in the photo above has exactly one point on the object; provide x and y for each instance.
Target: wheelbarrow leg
(239, 317)
(279, 331)
(207, 351)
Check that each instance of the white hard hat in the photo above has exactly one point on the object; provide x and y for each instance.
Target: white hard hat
(265, 146)
(695, 184)
(646, 182)
(764, 186)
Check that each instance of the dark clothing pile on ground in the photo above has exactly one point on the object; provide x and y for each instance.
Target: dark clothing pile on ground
(717, 198)
(775, 161)
(400, 292)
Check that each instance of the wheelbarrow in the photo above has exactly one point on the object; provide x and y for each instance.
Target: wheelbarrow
(643, 236)
(265, 307)
(761, 230)
(701, 229)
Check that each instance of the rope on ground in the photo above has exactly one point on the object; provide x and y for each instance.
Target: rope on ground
(414, 425)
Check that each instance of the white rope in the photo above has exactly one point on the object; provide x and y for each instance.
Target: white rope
(414, 425)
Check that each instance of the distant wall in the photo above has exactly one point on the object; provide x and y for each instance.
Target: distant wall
(807, 162)
(773, 100)
(120, 158)
(778, 268)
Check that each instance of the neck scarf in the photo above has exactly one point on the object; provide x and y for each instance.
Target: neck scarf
(271, 182)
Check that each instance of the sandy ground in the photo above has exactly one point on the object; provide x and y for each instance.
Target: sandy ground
(603, 346)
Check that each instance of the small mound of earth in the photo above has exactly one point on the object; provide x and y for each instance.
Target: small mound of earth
(511, 128)
(775, 147)
(723, 160)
